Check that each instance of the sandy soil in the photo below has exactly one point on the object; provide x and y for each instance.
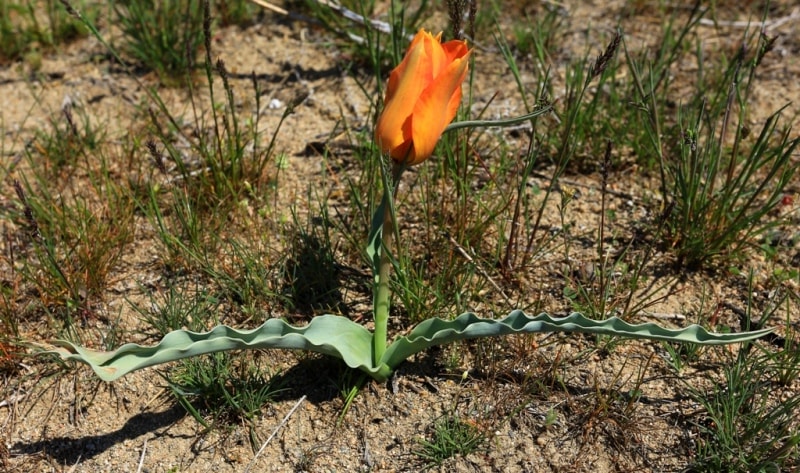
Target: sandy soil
(76, 423)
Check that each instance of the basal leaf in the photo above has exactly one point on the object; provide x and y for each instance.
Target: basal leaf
(341, 338)
(437, 331)
(328, 334)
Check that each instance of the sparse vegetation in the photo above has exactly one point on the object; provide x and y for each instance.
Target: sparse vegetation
(31, 29)
(234, 190)
(450, 436)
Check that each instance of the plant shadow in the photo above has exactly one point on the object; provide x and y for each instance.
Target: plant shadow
(312, 279)
(70, 451)
(323, 379)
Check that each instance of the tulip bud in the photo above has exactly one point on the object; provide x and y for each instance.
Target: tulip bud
(422, 97)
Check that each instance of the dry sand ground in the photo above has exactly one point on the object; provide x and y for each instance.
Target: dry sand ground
(74, 423)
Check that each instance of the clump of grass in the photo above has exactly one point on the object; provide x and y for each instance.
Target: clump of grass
(248, 277)
(456, 434)
(786, 362)
(29, 29)
(542, 34)
(179, 308)
(613, 411)
(450, 436)
(743, 427)
(720, 199)
(72, 136)
(719, 179)
(428, 287)
(225, 389)
(239, 270)
(679, 356)
(749, 417)
(72, 243)
(162, 35)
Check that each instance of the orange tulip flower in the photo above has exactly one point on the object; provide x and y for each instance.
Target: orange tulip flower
(422, 97)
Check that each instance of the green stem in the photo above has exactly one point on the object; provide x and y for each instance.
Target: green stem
(505, 122)
(382, 297)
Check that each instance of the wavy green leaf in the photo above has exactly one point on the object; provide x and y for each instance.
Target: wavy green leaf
(437, 331)
(328, 334)
(342, 338)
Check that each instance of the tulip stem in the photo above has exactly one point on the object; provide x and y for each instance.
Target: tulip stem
(382, 298)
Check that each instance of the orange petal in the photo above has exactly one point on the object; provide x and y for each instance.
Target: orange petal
(406, 83)
(455, 49)
(436, 108)
(437, 57)
(399, 71)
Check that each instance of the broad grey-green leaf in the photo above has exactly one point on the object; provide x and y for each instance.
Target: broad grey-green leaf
(341, 338)
(437, 331)
(328, 334)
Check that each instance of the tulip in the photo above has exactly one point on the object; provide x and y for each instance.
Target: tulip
(422, 97)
